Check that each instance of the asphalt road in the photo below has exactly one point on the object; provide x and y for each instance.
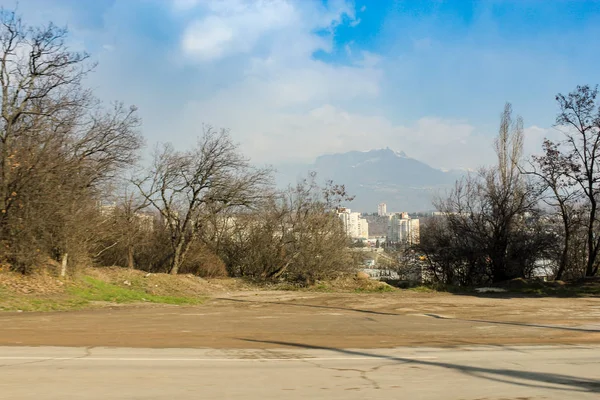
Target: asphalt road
(297, 371)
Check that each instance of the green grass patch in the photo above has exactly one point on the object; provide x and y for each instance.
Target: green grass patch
(92, 289)
(322, 288)
(81, 293)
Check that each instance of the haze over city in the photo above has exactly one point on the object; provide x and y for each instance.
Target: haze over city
(297, 79)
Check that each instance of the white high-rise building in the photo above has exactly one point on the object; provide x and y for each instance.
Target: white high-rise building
(350, 221)
(382, 209)
(363, 229)
(403, 230)
(355, 226)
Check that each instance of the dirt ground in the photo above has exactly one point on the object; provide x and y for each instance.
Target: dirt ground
(270, 319)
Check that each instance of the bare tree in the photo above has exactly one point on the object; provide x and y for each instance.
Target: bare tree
(554, 172)
(128, 227)
(40, 82)
(507, 198)
(488, 230)
(296, 235)
(579, 117)
(187, 187)
(57, 144)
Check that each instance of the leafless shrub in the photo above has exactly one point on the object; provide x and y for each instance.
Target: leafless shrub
(187, 187)
(294, 236)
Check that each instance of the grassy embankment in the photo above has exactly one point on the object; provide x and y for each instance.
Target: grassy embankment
(96, 288)
(100, 287)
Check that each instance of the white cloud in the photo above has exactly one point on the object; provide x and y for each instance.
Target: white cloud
(534, 138)
(207, 39)
(237, 26)
(278, 136)
(355, 22)
(250, 65)
(290, 106)
(368, 60)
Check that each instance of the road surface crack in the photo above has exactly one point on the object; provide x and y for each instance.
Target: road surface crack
(363, 374)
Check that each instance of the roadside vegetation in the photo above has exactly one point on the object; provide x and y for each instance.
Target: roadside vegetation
(91, 289)
(73, 193)
(107, 287)
(524, 218)
(75, 199)
(99, 288)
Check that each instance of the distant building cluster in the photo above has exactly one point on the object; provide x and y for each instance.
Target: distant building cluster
(356, 227)
(401, 228)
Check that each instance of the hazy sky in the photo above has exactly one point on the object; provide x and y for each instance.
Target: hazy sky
(295, 79)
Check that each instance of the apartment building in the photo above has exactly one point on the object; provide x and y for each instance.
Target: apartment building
(402, 229)
(355, 226)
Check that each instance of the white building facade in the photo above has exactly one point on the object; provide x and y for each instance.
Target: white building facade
(382, 209)
(402, 229)
(355, 226)
(363, 229)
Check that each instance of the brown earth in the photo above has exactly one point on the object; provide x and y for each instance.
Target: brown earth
(268, 319)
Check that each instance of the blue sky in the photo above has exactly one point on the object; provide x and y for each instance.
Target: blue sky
(295, 79)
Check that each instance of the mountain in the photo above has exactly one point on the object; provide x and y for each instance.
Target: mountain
(377, 176)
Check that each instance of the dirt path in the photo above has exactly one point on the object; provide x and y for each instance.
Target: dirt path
(276, 319)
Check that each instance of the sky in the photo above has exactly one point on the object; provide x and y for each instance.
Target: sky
(294, 79)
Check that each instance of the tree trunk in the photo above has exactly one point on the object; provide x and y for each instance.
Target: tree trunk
(564, 258)
(278, 272)
(590, 261)
(130, 260)
(499, 273)
(179, 255)
(563, 264)
(63, 265)
(176, 263)
(592, 249)
(4, 181)
(591, 268)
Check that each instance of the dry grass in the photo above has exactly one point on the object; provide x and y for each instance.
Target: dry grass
(165, 284)
(40, 283)
(96, 287)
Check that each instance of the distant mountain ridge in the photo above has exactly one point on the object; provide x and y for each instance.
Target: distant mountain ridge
(376, 176)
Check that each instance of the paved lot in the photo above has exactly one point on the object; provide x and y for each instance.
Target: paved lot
(295, 345)
(297, 371)
(265, 319)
